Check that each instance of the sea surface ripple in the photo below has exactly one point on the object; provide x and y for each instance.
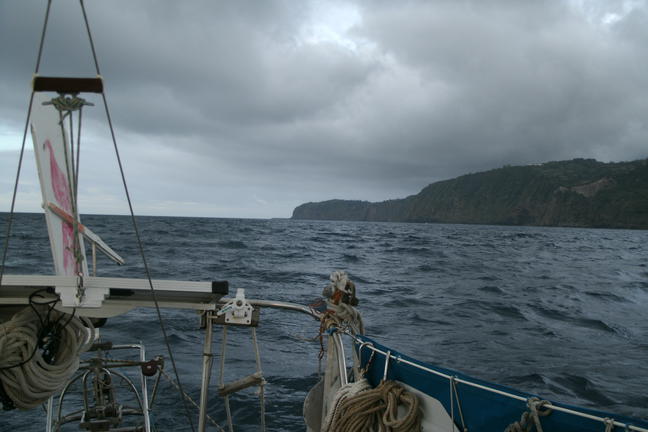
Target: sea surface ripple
(560, 312)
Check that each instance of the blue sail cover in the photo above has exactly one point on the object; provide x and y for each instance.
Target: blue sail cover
(483, 410)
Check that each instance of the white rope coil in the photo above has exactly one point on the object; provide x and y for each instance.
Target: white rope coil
(30, 382)
(346, 391)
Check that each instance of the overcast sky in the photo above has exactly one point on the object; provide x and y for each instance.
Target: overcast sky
(250, 108)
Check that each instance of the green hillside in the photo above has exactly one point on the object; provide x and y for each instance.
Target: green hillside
(579, 193)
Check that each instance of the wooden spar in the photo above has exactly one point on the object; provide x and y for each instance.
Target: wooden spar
(251, 380)
(67, 84)
(87, 233)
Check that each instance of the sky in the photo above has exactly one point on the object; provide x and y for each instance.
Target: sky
(250, 108)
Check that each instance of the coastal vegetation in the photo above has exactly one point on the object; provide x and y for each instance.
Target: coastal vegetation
(575, 193)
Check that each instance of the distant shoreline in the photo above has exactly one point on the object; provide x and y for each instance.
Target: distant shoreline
(579, 193)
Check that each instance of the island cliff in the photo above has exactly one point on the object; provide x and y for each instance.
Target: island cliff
(576, 193)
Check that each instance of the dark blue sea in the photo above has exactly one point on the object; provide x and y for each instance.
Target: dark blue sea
(560, 312)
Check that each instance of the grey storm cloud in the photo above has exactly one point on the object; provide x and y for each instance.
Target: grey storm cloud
(251, 108)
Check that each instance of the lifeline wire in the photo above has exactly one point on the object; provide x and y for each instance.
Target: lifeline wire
(370, 346)
(135, 227)
(22, 147)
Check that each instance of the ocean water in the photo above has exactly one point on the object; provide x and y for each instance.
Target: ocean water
(556, 311)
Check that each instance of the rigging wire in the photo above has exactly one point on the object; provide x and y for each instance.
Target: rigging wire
(75, 176)
(134, 221)
(78, 255)
(78, 155)
(22, 147)
(44, 325)
(69, 156)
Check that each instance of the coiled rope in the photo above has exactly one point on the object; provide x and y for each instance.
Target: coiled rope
(342, 394)
(376, 410)
(30, 372)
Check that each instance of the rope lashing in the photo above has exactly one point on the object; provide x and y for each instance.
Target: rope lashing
(68, 103)
(609, 424)
(377, 409)
(454, 396)
(530, 418)
(363, 371)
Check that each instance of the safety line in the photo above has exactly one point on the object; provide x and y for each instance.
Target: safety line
(399, 359)
(135, 226)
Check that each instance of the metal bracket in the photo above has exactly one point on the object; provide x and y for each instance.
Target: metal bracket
(238, 310)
